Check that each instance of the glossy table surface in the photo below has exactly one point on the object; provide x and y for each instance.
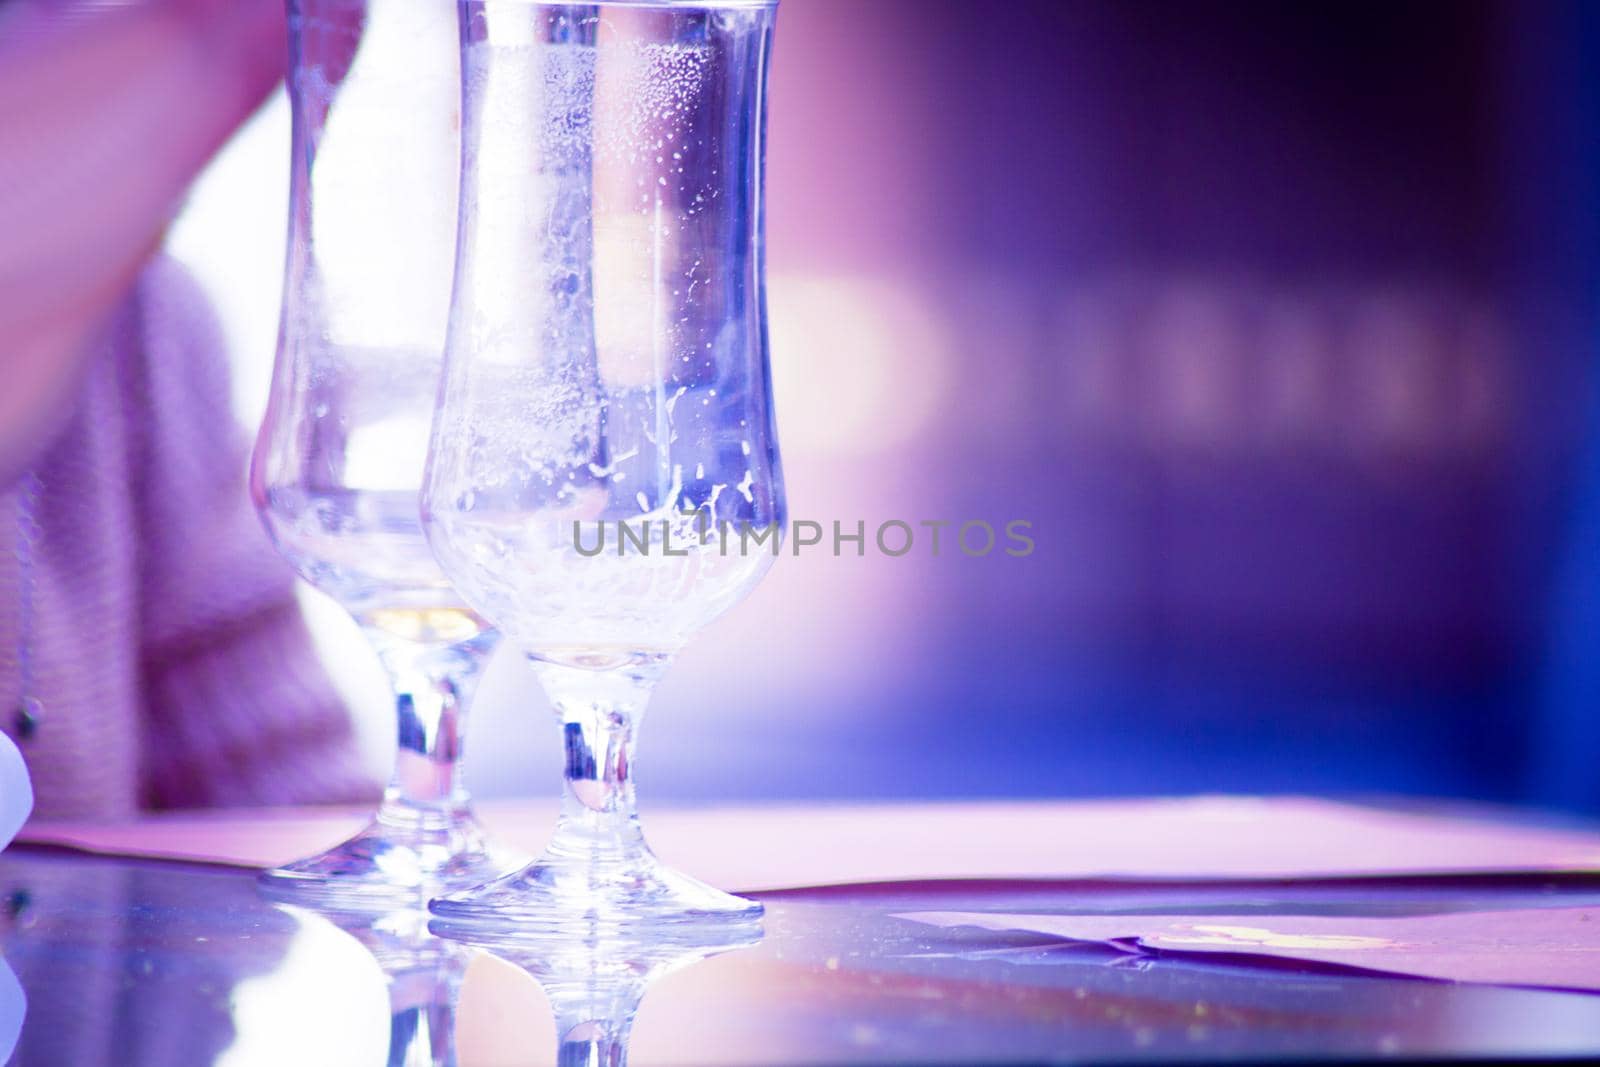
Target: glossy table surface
(141, 962)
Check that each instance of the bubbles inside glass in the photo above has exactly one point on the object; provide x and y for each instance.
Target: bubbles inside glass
(603, 474)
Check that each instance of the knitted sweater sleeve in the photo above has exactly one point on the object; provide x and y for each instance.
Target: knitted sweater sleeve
(236, 710)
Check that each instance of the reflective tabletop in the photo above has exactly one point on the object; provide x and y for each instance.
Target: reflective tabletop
(144, 963)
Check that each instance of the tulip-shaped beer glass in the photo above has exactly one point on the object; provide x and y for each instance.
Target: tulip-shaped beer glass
(339, 459)
(606, 382)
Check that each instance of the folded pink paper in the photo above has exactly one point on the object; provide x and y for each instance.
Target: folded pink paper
(1544, 947)
(756, 848)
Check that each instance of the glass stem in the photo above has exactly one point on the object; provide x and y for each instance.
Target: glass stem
(599, 713)
(589, 1042)
(433, 685)
(423, 1031)
(594, 1013)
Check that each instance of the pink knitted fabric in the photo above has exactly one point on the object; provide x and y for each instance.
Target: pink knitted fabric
(166, 647)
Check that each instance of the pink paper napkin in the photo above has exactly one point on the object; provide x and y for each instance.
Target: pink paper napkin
(757, 848)
(1544, 947)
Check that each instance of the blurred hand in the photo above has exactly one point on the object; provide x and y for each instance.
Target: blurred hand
(107, 113)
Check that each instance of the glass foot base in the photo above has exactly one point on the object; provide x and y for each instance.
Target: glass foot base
(564, 896)
(390, 865)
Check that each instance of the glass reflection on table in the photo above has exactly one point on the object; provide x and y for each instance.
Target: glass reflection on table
(595, 985)
(142, 964)
(421, 976)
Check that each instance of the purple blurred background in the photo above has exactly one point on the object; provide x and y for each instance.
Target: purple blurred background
(1276, 321)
